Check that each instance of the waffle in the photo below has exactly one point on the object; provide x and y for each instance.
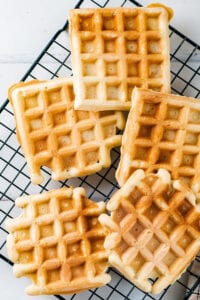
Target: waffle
(116, 49)
(162, 131)
(71, 143)
(154, 229)
(57, 242)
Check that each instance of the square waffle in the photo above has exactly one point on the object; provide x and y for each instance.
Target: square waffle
(116, 49)
(154, 229)
(57, 242)
(162, 131)
(71, 143)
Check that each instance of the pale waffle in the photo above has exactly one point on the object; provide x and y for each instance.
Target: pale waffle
(154, 229)
(57, 242)
(116, 49)
(162, 131)
(71, 143)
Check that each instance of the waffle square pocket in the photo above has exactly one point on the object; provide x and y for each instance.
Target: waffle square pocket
(116, 49)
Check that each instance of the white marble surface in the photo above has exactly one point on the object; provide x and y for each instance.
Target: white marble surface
(25, 28)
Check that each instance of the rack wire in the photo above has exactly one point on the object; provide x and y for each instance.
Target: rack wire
(54, 61)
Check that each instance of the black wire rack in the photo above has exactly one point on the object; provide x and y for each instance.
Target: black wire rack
(54, 61)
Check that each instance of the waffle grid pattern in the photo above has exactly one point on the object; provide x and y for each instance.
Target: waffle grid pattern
(14, 176)
(131, 51)
(71, 143)
(152, 237)
(166, 135)
(58, 240)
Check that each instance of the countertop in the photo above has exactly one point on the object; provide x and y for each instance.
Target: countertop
(25, 28)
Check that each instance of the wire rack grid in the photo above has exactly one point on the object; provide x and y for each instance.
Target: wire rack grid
(54, 61)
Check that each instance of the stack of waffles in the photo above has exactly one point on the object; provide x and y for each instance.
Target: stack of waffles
(65, 242)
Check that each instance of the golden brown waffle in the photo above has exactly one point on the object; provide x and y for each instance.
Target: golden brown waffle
(116, 49)
(154, 229)
(71, 143)
(162, 131)
(57, 242)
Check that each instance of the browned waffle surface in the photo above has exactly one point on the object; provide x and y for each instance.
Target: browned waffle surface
(154, 230)
(71, 143)
(57, 242)
(115, 49)
(162, 131)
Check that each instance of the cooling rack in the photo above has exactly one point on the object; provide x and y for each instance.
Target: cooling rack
(54, 61)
